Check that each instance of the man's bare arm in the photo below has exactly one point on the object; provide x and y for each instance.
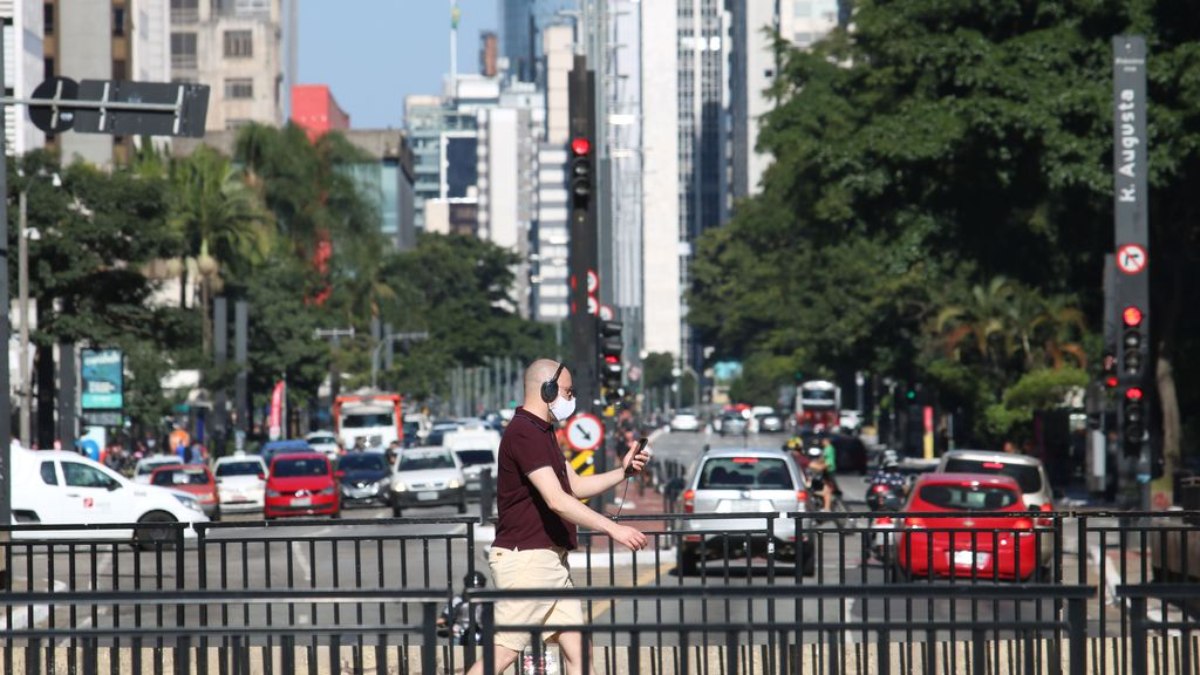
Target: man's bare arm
(573, 510)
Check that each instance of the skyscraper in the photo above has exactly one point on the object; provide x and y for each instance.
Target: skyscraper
(522, 23)
(24, 69)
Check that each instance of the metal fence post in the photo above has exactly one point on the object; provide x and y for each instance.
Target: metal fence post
(486, 495)
(429, 638)
(489, 637)
(1138, 634)
(1077, 634)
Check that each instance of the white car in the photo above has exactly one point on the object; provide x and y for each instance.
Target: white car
(850, 420)
(477, 449)
(685, 420)
(147, 465)
(324, 442)
(428, 476)
(54, 487)
(241, 481)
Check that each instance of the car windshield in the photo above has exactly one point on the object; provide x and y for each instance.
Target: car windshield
(473, 457)
(818, 395)
(362, 463)
(322, 440)
(968, 497)
(238, 469)
(308, 466)
(1028, 477)
(745, 473)
(364, 420)
(425, 460)
(190, 476)
(148, 467)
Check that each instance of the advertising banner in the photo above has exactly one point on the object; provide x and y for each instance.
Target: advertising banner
(103, 379)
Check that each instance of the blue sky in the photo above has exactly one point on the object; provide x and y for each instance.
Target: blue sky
(373, 53)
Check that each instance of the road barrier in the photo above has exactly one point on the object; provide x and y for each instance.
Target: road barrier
(766, 554)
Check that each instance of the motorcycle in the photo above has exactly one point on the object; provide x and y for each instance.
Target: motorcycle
(884, 499)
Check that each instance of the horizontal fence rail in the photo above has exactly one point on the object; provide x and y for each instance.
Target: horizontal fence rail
(768, 553)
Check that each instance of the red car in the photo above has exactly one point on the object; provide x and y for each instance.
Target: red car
(302, 484)
(194, 479)
(964, 545)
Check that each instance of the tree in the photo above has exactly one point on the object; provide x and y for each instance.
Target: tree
(943, 143)
(221, 222)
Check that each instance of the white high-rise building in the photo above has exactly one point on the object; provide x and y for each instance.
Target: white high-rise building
(23, 70)
(551, 237)
(662, 243)
(753, 66)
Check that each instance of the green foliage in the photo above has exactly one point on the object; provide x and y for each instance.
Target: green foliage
(1037, 390)
(762, 376)
(941, 194)
(656, 370)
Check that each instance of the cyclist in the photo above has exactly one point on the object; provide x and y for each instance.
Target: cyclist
(818, 477)
(829, 453)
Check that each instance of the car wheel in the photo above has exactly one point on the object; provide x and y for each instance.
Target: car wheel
(150, 533)
(689, 561)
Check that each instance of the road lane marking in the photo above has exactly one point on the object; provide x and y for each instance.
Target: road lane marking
(301, 559)
(601, 608)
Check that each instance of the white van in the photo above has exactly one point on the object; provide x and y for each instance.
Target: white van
(55, 487)
(477, 449)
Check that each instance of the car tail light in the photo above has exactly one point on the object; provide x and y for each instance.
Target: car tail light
(993, 465)
(883, 521)
(1046, 522)
(689, 501)
(879, 488)
(915, 523)
(1024, 527)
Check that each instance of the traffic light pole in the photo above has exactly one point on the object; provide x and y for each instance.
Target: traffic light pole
(1131, 288)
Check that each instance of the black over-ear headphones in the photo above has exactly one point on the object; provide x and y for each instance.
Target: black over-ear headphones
(550, 386)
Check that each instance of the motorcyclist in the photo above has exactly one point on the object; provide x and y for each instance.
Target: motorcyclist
(455, 618)
(888, 475)
(829, 453)
(818, 476)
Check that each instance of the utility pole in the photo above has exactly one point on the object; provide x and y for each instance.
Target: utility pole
(582, 254)
(334, 335)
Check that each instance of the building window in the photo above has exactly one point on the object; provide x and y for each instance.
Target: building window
(185, 11)
(118, 22)
(119, 71)
(48, 19)
(239, 87)
(183, 50)
(239, 44)
(802, 39)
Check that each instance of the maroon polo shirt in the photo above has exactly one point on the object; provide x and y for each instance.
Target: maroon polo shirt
(525, 520)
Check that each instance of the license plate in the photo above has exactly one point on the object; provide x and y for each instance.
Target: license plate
(970, 559)
(426, 496)
(302, 501)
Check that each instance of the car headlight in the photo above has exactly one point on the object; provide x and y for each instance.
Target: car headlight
(399, 486)
(454, 483)
(274, 493)
(188, 501)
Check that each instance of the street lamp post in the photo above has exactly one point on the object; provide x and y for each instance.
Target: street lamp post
(23, 307)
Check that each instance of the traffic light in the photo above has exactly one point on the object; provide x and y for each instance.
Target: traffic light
(1133, 344)
(1133, 420)
(1109, 375)
(580, 167)
(611, 367)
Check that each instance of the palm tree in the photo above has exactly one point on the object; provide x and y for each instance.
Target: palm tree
(983, 315)
(221, 221)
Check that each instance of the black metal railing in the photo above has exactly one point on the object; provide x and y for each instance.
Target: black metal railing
(1166, 644)
(867, 644)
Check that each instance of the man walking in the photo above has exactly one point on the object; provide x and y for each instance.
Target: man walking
(538, 500)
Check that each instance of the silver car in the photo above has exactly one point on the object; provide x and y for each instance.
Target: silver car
(428, 476)
(736, 481)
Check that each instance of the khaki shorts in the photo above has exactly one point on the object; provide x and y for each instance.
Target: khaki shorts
(532, 568)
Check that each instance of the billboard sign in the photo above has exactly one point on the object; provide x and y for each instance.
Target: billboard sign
(103, 379)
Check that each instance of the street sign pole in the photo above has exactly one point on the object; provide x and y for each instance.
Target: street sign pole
(1131, 224)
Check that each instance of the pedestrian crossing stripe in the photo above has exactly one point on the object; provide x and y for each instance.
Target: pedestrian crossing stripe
(584, 463)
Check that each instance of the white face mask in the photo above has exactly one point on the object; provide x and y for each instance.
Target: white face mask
(562, 408)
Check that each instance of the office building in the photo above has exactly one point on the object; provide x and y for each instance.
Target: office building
(243, 49)
(549, 274)
(522, 27)
(24, 69)
(388, 181)
(754, 63)
(316, 110)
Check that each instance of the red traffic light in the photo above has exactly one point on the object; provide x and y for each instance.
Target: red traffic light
(1133, 394)
(1132, 316)
(1111, 382)
(612, 359)
(580, 146)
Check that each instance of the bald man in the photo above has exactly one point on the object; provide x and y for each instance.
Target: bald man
(538, 502)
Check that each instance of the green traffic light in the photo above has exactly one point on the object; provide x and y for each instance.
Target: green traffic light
(910, 394)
